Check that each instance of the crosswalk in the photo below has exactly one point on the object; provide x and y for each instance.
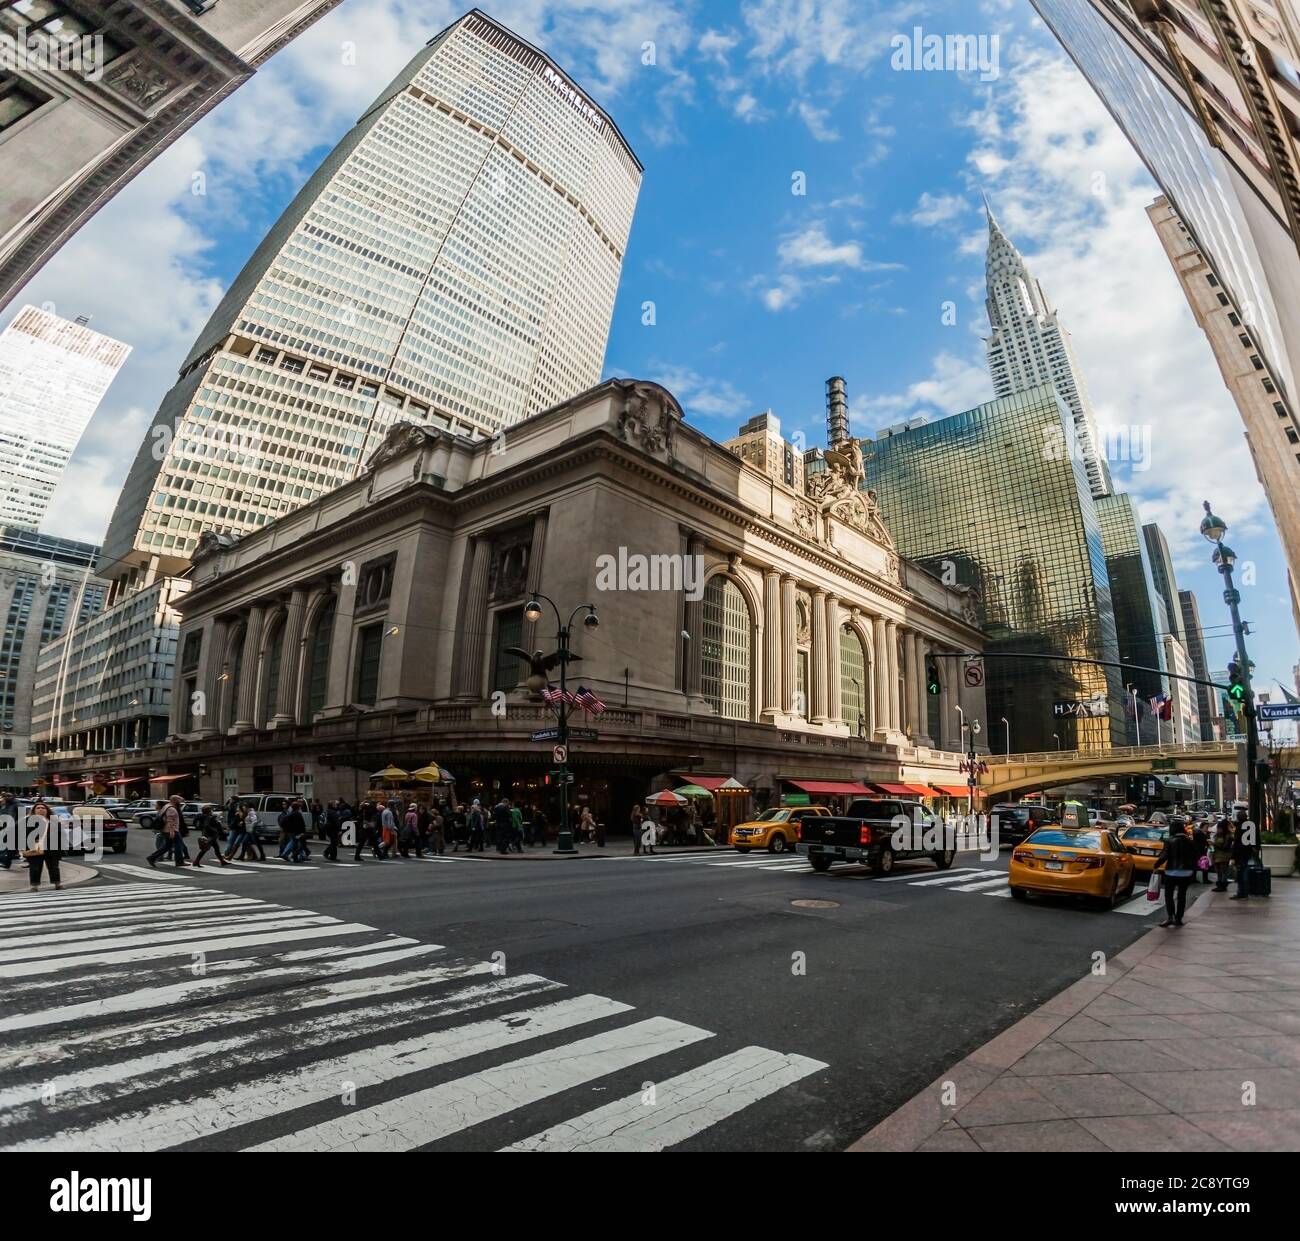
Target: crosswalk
(968, 880)
(167, 872)
(154, 1016)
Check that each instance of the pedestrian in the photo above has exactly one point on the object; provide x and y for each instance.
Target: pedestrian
(209, 836)
(638, 818)
(517, 827)
(476, 824)
(333, 830)
(42, 847)
(437, 832)
(388, 828)
(1243, 853)
(423, 829)
(1222, 854)
(10, 822)
(1202, 843)
(409, 834)
(540, 825)
(318, 819)
(171, 831)
(1178, 862)
(252, 842)
(502, 826)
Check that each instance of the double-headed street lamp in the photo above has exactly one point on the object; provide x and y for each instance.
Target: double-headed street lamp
(1215, 529)
(972, 764)
(539, 682)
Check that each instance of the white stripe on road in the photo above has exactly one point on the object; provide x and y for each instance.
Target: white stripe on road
(1139, 906)
(404, 1123)
(92, 1084)
(332, 961)
(101, 941)
(1000, 882)
(135, 872)
(962, 876)
(681, 1107)
(127, 913)
(280, 866)
(161, 1127)
(87, 931)
(99, 896)
(23, 969)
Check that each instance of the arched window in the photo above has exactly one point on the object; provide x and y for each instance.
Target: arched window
(727, 633)
(934, 702)
(274, 659)
(855, 685)
(235, 669)
(318, 660)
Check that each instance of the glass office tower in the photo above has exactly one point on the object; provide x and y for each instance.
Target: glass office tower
(453, 262)
(988, 499)
(1140, 618)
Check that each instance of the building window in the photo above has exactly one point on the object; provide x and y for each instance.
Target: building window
(318, 660)
(1257, 363)
(188, 723)
(726, 632)
(263, 779)
(274, 658)
(236, 672)
(370, 645)
(801, 684)
(1268, 385)
(854, 694)
(508, 669)
(17, 100)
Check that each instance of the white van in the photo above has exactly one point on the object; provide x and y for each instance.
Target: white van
(269, 807)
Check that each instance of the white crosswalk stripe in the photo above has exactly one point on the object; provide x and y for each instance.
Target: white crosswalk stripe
(149, 1016)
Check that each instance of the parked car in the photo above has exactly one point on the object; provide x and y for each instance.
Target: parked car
(774, 830)
(868, 835)
(79, 820)
(269, 807)
(1068, 861)
(151, 817)
(1145, 843)
(1018, 820)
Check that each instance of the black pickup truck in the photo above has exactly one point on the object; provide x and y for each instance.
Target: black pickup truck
(878, 833)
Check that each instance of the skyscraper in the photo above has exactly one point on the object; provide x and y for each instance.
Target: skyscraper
(1163, 576)
(53, 374)
(453, 262)
(1209, 96)
(974, 499)
(1029, 346)
(91, 92)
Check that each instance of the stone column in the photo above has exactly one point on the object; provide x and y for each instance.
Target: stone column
(894, 697)
(834, 684)
(249, 668)
(772, 645)
(473, 624)
(820, 659)
(291, 661)
(694, 618)
(211, 667)
(922, 693)
(789, 647)
(880, 674)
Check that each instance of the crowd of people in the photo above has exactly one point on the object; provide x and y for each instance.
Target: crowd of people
(1191, 852)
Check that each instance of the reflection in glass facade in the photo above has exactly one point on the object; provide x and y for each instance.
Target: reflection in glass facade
(725, 656)
(987, 497)
(454, 262)
(1140, 618)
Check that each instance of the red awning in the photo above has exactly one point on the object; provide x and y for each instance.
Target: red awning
(126, 780)
(923, 790)
(64, 784)
(167, 779)
(896, 790)
(712, 783)
(952, 790)
(832, 788)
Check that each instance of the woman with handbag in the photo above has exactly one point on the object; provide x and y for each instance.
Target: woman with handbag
(1178, 862)
(43, 847)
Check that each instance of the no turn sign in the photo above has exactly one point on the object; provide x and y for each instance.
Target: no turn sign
(561, 755)
(973, 675)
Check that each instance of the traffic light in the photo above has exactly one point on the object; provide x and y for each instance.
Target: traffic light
(932, 678)
(1236, 683)
(1263, 771)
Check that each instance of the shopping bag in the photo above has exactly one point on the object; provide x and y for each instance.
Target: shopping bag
(1153, 886)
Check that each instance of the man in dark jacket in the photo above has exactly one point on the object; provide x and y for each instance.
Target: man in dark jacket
(1178, 861)
(1202, 843)
(503, 825)
(1243, 852)
(293, 827)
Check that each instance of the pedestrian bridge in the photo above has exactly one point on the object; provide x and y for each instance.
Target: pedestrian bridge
(1013, 774)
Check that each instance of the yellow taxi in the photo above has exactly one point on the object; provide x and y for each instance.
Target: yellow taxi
(1073, 861)
(774, 830)
(1145, 842)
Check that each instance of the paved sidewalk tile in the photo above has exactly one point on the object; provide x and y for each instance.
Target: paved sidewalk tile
(1190, 1042)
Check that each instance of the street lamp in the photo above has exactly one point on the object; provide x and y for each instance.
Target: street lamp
(971, 764)
(1007, 722)
(1057, 740)
(533, 613)
(1215, 529)
(862, 705)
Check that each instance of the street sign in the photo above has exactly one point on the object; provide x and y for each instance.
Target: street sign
(973, 674)
(563, 777)
(583, 734)
(560, 754)
(547, 734)
(1280, 711)
(1164, 764)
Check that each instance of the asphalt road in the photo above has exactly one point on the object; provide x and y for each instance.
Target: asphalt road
(855, 1005)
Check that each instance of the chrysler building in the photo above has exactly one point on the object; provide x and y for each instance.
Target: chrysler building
(1029, 346)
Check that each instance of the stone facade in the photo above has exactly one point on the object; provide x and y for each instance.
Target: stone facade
(369, 627)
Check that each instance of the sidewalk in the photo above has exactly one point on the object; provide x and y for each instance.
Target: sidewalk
(1161, 1054)
(15, 879)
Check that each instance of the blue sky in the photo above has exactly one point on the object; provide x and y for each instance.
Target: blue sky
(760, 294)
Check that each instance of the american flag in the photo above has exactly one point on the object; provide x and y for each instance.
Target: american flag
(1163, 706)
(589, 702)
(554, 695)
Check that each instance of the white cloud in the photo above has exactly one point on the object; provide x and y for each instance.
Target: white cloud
(813, 248)
(818, 121)
(705, 396)
(932, 209)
